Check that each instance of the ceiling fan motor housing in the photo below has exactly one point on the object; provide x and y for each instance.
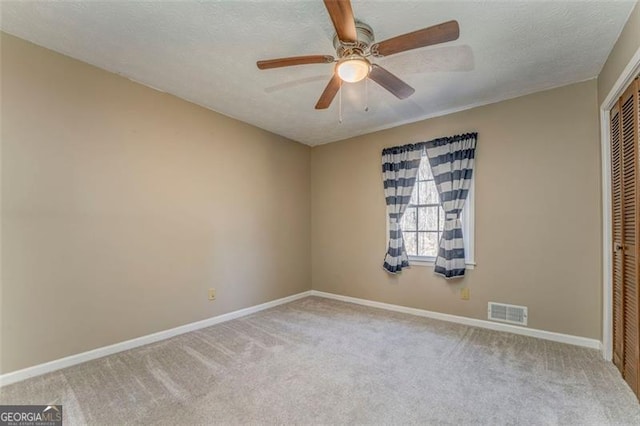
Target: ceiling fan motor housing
(359, 47)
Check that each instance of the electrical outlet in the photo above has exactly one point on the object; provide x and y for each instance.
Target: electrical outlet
(212, 294)
(464, 293)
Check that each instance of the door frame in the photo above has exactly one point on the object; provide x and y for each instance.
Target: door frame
(628, 74)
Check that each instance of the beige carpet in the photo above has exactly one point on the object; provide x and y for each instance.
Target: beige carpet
(323, 361)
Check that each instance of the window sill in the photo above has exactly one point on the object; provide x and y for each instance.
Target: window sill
(430, 261)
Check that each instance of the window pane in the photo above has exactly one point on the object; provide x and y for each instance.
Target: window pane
(422, 192)
(409, 219)
(441, 219)
(428, 193)
(414, 195)
(424, 172)
(428, 218)
(428, 244)
(410, 243)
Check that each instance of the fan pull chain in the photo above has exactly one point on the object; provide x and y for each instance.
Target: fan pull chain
(366, 94)
(340, 103)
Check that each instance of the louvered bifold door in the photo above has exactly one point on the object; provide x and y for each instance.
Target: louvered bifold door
(625, 206)
(616, 232)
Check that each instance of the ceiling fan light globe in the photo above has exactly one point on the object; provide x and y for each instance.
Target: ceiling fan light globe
(352, 70)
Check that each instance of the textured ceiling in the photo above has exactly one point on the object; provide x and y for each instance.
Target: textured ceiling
(205, 52)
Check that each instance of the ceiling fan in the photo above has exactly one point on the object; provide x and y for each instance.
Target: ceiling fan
(354, 44)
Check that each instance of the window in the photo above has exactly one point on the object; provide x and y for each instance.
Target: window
(423, 221)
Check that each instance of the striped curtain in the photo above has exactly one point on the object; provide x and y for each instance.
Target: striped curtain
(451, 161)
(399, 170)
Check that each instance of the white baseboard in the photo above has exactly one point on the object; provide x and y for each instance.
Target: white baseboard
(532, 332)
(47, 367)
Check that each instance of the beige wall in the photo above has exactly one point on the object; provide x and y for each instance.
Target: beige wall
(537, 222)
(121, 206)
(626, 46)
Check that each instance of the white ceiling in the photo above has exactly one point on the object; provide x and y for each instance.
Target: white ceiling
(205, 52)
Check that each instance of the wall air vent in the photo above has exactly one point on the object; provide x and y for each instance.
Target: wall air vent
(508, 313)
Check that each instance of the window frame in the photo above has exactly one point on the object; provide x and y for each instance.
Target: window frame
(468, 229)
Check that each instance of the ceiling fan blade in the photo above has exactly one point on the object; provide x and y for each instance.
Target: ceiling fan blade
(390, 82)
(342, 17)
(329, 92)
(441, 33)
(295, 60)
